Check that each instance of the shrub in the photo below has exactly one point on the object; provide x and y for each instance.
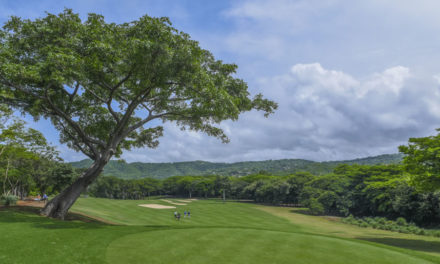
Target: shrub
(404, 230)
(401, 221)
(381, 220)
(400, 225)
(364, 224)
(9, 199)
(395, 228)
(387, 227)
(413, 229)
(421, 232)
(315, 207)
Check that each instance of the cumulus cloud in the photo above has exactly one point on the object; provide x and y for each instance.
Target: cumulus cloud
(358, 104)
(323, 115)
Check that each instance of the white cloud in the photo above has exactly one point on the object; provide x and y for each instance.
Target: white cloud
(323, 115)
(355, 36)
(355, 102)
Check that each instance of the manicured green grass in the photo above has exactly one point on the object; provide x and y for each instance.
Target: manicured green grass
(223, 245)
(216, 233)
(214, 213)
(332, 226)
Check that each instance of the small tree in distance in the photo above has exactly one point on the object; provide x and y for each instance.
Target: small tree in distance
(101, 84)
(422, 162)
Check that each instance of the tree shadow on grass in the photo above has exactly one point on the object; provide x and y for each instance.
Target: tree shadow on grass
(31, 215)
(414, 244)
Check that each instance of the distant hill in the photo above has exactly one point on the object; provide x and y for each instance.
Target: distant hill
(138, 170)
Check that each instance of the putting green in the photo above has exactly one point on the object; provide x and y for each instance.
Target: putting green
(236, 245)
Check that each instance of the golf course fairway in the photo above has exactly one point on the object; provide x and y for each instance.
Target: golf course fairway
(217, 232)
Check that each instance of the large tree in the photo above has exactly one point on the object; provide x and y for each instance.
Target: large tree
(105, 86)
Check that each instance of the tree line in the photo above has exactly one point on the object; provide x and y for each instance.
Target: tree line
(28, 164)
(282, 167)
(358, 190)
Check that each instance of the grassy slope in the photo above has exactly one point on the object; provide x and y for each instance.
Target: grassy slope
(333, 227)
(216, 233)
(217, 214)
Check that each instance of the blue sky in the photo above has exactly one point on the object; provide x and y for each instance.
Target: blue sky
(352, 78)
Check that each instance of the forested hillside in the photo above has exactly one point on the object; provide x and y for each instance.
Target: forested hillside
(138, 170)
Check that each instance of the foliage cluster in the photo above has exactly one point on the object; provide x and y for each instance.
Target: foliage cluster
(360, 190)
(399, 225)
(27, 162)
(8, 199)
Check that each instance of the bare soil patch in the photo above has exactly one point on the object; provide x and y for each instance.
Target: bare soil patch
(157, 206)
(32, 203)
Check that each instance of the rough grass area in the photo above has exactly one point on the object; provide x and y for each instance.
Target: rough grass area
(216, 233)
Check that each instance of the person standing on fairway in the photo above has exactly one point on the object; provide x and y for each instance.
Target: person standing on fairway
(184, 214)
(175, 214)
(189, 214)
(178, 216)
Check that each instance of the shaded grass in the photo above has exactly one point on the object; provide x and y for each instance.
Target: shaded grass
(27, 237)
(413, 244)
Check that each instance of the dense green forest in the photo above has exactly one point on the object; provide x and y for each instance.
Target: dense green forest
(358, 190)
(137, 170)
(399, 186)
(28, 164)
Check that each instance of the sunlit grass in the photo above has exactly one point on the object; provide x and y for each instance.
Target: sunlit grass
(216, 233)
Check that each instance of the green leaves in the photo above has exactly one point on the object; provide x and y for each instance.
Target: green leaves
(101, 83)
(422, 161)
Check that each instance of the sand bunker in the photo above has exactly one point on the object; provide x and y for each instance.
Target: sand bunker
(171, 202)
(183, 201)
(157, 206)
(186, 200)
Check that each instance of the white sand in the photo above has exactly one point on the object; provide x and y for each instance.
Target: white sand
(157, 206)
(184, 201)
(171, 202)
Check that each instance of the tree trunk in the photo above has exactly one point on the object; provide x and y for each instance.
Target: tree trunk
(224, 195)
(190, 195)
(6, 178)
(60, 205)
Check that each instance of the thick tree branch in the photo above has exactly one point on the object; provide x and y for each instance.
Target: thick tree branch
(122, 81)
(83, 150)
(109, 101)
(87, 140)
(72, 96)
(21, 89)
(130, 109)
(148, 119)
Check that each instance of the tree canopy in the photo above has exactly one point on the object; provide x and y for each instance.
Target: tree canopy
(102, 84)
(422, 161)
(95, 80)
